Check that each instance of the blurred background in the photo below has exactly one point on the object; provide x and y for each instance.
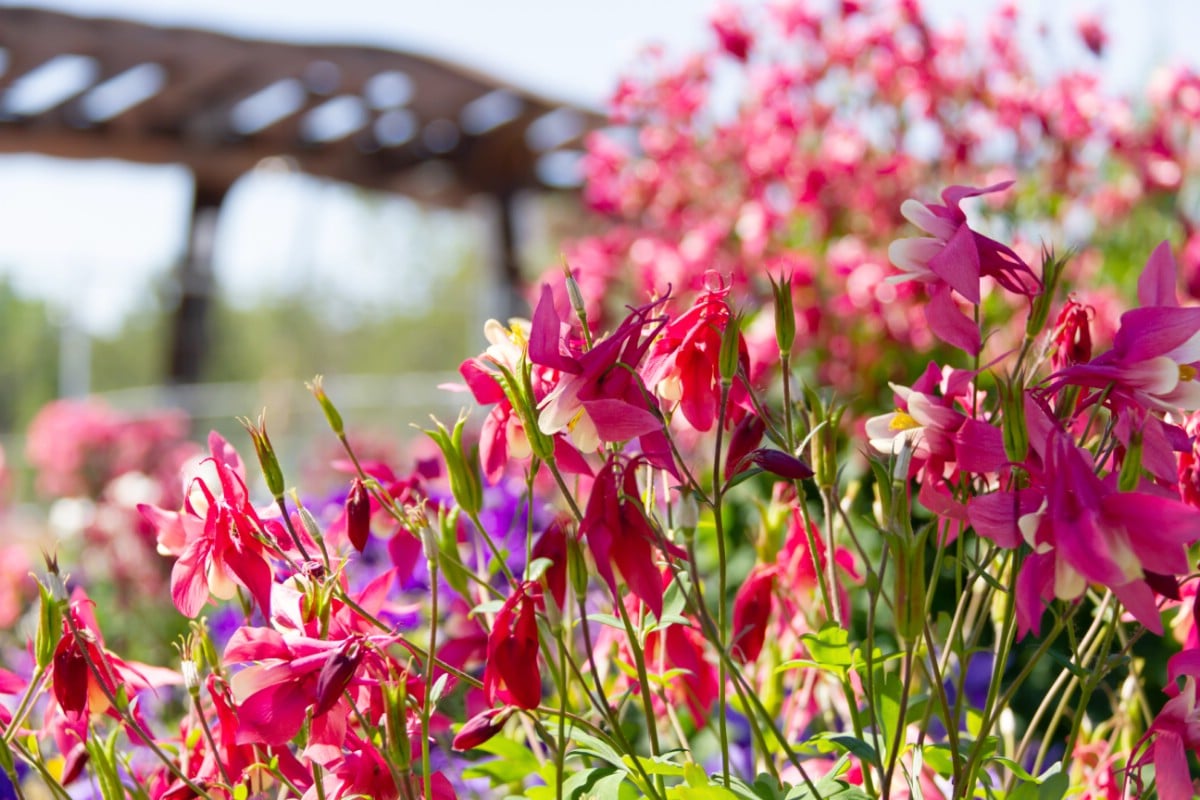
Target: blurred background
(205, 204)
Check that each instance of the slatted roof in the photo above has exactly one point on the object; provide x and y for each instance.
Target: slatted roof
(108, 88)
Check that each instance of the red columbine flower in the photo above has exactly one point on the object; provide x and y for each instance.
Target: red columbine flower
(681, 365)
(955, 258)
(751, 611)
(82, 669)
(502, 437)
(618, 532)
(215, 535)
(512, 674)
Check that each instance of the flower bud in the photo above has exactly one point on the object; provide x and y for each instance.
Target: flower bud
(49, 628)
(1039, 312)
(481, 728)
(266, 455)
(785, 314)
(745, 437)
(731, 339)
(780, 463)
(331, 413)
(358, 515)
(1131, 465)
(577, 567)
(336, 674)
(1013, 424)
(465, 482)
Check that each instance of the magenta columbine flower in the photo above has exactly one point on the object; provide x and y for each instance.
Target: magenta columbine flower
(954, 258)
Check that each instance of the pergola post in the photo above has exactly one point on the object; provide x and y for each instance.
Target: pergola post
(190, 338)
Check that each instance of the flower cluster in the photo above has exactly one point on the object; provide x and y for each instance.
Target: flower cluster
(668, 563)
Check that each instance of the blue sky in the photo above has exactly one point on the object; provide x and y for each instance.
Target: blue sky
(90, 236)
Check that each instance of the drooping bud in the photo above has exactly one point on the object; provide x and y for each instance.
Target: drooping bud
(337, 673)
(745, 437)
(358, 515)
(70, 676)
(482, 727)
(780, 463)
(266, 454)
(552, 545)
(331, 413)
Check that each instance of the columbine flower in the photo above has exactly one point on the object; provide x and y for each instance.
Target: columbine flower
(681, 366)
(954, 257)
(1174, 731)
(1083, 531)
(751, 610)
(512, 675)
(215, 536)
(599, 396)
(619, 534)
(1156, 352)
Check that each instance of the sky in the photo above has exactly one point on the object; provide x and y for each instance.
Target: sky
(91, 236)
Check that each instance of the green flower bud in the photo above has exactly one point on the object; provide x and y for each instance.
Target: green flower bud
(1012, 423)
(465, 482)
(577, 567)
(785, 314)
(727, 360)
(266, 454)
(331, 413)
(1131, 465)
(49, 629)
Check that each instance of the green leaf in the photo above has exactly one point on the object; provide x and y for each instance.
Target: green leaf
(588, 745)
(829, 647)
(607, 619)
(537, 568)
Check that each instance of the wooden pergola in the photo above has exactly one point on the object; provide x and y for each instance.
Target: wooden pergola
(79, 87)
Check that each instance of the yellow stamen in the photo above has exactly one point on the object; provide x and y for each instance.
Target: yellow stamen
(903, 422)
(1186, 373)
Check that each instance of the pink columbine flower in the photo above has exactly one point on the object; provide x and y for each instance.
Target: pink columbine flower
(1083, 530)
(599, 396)
(954, 258)
(931, 422)
(1156, 352)
(215, 536)
(502, 437)
(1174, 731)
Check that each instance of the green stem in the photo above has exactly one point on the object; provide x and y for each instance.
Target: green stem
(427, 704)
(722, 577)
